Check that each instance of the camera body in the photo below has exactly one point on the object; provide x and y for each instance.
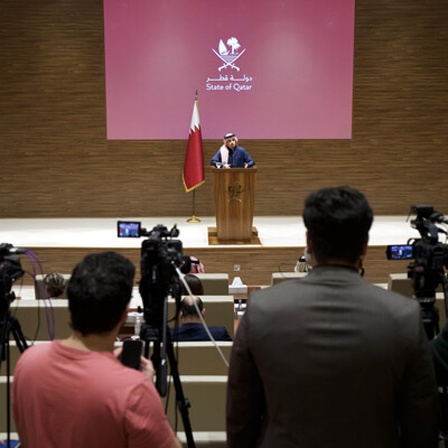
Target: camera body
(161, 253)
(430, 256)
(10, 271)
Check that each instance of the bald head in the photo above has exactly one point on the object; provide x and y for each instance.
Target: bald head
(187, 308)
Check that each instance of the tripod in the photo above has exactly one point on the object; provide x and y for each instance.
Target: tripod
(430, 316)
(161, 257)
(9, 325)
(425, 292)
(159, 335)
(443, 390)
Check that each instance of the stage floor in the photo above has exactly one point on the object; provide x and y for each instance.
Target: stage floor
(273, 231)
(60, 243)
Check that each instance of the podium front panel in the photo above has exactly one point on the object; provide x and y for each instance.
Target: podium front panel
(234, 195)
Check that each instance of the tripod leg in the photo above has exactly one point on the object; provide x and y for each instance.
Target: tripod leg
(16, 331)
(160, 367)
(182, 403)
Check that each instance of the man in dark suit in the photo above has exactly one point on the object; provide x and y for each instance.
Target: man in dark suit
(330, 360)
(192, 328)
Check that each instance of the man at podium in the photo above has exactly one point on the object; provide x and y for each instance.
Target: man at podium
(230, 155)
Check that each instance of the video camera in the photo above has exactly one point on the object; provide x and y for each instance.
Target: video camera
(10, 271)
(160, 255)
(430, 256)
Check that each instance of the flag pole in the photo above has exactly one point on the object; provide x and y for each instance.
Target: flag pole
(193, 217)
(193, 175)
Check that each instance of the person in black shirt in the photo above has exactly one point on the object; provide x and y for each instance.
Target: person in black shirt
(192, 328)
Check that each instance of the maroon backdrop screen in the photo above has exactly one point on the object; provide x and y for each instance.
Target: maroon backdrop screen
(264, 69)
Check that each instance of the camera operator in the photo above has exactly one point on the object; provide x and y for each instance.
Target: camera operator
(75, 392)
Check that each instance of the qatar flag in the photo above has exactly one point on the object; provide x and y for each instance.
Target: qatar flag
(193, 175)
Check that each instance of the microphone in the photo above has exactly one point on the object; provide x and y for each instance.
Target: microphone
(9, 249)
(438, 217)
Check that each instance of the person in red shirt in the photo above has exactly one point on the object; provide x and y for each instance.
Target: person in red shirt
(75, 392)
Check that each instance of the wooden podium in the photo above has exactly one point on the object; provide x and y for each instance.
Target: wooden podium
(234, 195)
